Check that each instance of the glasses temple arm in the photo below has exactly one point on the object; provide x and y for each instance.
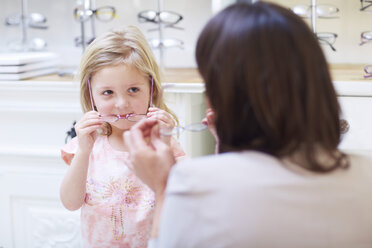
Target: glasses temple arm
(90, 94)
(152, 90)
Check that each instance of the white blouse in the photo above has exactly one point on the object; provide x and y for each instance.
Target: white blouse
(251, 199)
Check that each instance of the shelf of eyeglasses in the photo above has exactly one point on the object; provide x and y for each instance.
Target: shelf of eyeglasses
(351, 72)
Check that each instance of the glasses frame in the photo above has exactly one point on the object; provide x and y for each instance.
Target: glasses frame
(128, 117)
(157, 19)
(364, 7)
(88, 13)
(368, 74)
(364, 39)
(327, 42)
(162, 43)
(308, 11)
(177, 130)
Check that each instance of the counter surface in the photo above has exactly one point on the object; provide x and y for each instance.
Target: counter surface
(340, 72)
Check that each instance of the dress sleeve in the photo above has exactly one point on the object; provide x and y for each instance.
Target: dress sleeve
(68, 150)
(178, 152)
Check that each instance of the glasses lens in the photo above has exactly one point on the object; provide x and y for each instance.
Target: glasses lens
(37, 18)
(366, 4)
(167, 131)
(301, 10)
(109, 118)
(135, 117)
(147, 16)
(326, 10)
(172, 43)
(367, 35)
(196, 127)
(368, 69)
(105, 14)
(169, 17)
(156, 43)
(82, 15)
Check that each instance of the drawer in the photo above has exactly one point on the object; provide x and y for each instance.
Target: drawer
(357, 112)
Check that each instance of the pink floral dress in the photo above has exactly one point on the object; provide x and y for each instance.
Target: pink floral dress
(118, 207)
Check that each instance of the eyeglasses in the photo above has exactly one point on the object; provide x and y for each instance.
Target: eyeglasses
(79, 41)
(327, 38)
(115, 118)
(166, 17)
(322, 11)
(368, 71)
(104, 14)
(157, 43)
(365, 4)
(195, 127)
(365, 37)
(33, 20)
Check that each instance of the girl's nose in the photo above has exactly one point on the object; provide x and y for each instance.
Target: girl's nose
(121, 102)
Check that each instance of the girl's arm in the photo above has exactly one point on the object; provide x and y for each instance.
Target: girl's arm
(73, 186)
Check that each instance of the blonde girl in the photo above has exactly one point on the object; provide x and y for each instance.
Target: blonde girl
(119, 85)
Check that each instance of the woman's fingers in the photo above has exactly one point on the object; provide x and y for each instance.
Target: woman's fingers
(135, 138)
(163, 117)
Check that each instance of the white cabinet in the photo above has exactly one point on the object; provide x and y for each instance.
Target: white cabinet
(35, 116)
(355, 99)
(356, 112)
(34, 119)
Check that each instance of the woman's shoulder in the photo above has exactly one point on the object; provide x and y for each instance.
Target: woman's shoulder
(226, 161)
(212, 170)
(360, 161)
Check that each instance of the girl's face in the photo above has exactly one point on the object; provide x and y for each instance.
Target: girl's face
(120, 90)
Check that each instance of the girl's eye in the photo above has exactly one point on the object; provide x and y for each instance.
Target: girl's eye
(108, 92)
(133, 89)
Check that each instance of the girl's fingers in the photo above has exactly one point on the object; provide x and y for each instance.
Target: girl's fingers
(205, 121)
(153, 109)
(89, 130)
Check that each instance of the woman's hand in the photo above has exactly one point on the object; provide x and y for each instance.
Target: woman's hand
(165, 120)
(85, 130)
(151, 157)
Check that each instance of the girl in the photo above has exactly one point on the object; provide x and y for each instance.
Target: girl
(119, 84)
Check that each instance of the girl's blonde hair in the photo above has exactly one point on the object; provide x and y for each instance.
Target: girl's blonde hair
(120, 46)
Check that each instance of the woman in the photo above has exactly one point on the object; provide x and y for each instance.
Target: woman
(279, 179)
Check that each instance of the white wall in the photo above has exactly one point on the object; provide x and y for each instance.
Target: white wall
(348, 26)
(63, 28)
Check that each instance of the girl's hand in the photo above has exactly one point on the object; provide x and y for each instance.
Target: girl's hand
(151, 157)
(85, 130)
(164, 119)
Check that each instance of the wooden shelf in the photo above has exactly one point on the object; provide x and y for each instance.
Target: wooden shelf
(348, 72)
(174, 75)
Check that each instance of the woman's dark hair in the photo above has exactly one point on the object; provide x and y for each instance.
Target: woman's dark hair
(268, 83)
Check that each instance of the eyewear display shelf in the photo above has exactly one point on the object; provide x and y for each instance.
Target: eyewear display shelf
(36, 114)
